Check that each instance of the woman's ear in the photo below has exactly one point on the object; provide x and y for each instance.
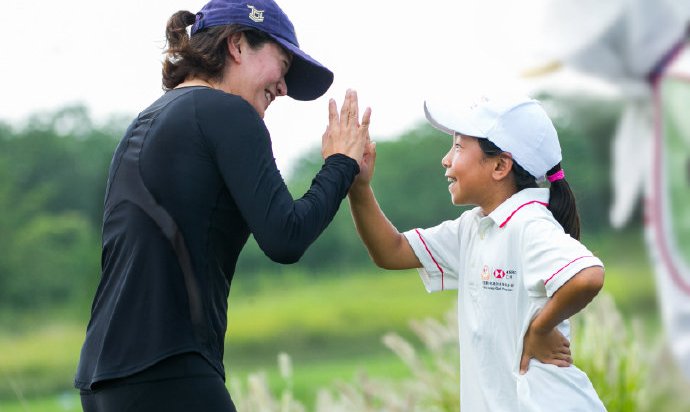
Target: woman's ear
(234, 44)
(503, 166)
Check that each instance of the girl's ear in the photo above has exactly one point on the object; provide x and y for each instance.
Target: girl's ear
(234, 44)
(503, 166)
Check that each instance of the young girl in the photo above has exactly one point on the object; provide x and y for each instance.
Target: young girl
(515, 258)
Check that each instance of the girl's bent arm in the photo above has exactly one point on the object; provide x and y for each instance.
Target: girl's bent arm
(542, 340)
(570, 298)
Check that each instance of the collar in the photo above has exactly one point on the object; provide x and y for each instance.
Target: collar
(505, 211)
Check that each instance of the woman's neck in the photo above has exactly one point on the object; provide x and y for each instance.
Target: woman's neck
(195, 82)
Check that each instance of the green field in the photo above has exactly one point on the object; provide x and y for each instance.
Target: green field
(330, 324)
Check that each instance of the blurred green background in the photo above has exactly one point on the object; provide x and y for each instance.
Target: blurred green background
(330, 310)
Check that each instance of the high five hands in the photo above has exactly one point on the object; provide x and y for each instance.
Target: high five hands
(345, 134)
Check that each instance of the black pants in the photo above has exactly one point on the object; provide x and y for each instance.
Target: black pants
(182, 383)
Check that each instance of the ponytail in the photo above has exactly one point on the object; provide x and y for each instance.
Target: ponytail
(174, 70)
(561, 198)
(562, 204)
(202, 55)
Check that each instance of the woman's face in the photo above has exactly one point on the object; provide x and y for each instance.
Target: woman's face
(260, 76)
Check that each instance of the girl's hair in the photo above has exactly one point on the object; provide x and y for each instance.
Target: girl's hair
(202, 55)
(561, 198)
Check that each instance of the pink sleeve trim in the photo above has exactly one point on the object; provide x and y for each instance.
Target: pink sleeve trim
(521, 206)
(430, 255)
(568, 264)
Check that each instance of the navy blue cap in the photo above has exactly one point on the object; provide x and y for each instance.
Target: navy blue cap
(306, 79)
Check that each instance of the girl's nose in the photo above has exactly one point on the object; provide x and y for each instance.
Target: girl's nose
(445, 161)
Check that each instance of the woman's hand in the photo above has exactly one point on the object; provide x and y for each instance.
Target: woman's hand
(548, 347)
(344, 133)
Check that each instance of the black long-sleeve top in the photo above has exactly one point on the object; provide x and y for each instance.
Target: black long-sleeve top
(193, 176)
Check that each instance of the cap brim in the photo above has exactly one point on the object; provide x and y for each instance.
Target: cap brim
(450, 121)
(307, 79)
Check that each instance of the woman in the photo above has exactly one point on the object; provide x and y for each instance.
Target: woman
(193, 176)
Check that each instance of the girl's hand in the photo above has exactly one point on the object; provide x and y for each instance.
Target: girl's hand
(366, 168)
(549, 347)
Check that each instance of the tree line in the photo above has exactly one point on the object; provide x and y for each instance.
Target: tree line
(53, 173)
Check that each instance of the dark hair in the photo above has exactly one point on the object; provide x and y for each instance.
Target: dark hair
(204, 54)
(561, 198)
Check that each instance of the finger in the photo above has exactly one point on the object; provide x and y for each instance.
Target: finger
(560, 363)
(524, 364)
(345, 109)
(332, 112)
(560, 356)
(366, 120)
(370, 151)
(354, 108)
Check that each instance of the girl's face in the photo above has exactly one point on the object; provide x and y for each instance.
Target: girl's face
(468, 172)
(260, 77)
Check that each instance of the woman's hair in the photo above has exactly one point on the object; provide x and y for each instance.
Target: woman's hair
(204, 54)
(561, 198)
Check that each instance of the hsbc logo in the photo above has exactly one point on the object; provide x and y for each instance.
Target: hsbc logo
(498, 280)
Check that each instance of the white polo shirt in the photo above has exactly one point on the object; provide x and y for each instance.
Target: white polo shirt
(506, 266)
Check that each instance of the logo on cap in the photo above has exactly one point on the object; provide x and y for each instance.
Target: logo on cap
(256, 15)
(480, 100)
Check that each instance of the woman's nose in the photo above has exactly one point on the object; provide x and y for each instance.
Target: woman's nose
(282, 87)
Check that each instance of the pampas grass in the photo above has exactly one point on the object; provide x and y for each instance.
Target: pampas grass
(630, 372)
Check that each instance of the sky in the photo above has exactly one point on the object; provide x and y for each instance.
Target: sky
(396, 54)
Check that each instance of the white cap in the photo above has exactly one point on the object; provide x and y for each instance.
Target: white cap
(517, 125)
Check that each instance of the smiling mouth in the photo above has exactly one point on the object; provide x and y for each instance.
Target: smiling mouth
(269, 97)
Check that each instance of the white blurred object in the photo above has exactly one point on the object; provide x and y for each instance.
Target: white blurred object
(620, 41)
(616, 39)
(624, 42)
(631, 146)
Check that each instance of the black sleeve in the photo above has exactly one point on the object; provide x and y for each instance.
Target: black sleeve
(282, 227)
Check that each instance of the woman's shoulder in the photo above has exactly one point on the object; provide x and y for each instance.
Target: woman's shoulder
(208, 97)
(216, 106)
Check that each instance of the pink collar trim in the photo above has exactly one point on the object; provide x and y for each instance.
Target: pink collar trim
(520, 207)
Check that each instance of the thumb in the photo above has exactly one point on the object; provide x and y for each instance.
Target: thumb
(324, 136)
(366, 120)
(524, 363)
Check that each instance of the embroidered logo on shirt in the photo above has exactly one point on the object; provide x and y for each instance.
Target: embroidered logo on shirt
(256, 14)
(502, 280)
(486, 274)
